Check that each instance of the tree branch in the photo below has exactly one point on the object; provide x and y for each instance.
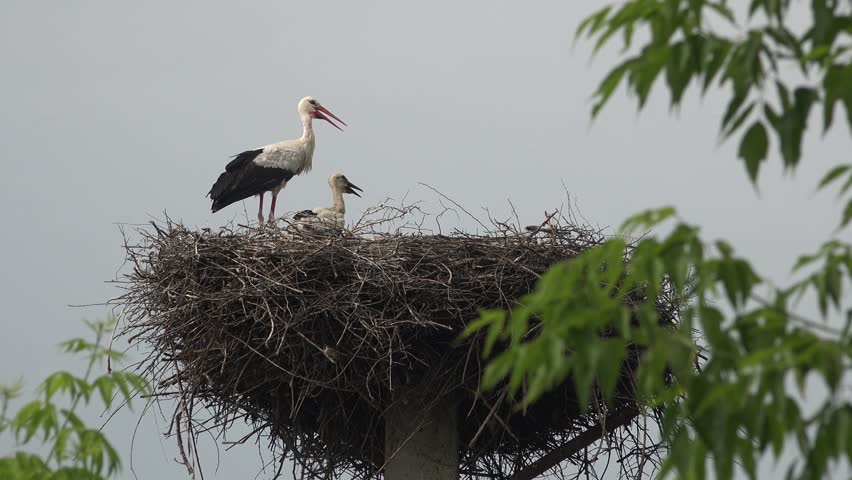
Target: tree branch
(592, 434)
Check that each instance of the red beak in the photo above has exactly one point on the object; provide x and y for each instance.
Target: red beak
(320, 110)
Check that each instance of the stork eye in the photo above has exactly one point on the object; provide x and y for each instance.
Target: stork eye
(313, 102)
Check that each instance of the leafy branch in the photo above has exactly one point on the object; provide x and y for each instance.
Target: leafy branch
(732, 409)
(75, 450)
(753, 63)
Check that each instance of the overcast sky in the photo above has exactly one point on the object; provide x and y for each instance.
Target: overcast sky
(113, 112)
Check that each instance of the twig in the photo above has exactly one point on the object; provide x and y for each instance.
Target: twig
(570, 448)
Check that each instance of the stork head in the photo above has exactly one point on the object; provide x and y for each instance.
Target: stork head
(338, 181)
(310, 106)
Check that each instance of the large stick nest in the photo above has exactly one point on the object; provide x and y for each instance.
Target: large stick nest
(311, 337)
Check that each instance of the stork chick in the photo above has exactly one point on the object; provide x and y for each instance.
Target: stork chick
(329, 216)
(269, 168)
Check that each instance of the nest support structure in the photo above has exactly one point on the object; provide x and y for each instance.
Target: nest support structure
(312, 338)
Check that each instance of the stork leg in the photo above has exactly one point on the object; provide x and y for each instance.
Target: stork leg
(272, 207)
(260, 210)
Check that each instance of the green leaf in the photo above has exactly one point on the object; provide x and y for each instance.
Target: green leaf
(584, 365)
(753, 149)
(518, 325)
(773, 117)
(648, 66)
(679, 70)
(719, 51)
(717, 392)
(73, 419)
(734, 106)
(628, 36)
(496, 370)
(28, 419)
(793, 124)
(138, 382)
(847, 215)
(105, 387)
(785, 38)
(521, 363)
(822, 20)
(846, 185)
(818, 53)
(712, 319)
(836, 84)
(8, 392)
(754, 6)
(113, 459)
(609, 370)
(57, 381)
(833, 175)
(750, 69)
(123, 385)
(593, 22)
(60, 443)
(748, 457)
(495, 330)
(738, 121)
(49, 421)
(647, 219)
(724, 11)
(485, 319)
(609, 84)
(76, 345)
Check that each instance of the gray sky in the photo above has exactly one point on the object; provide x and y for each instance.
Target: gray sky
(112, 112)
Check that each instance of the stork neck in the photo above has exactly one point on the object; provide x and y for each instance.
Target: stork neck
(307, 128)
(338, 207)
(308, 142)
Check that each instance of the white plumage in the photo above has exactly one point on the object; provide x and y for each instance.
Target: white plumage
(333, 216)
(269, 168)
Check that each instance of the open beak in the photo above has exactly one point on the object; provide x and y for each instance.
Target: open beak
(322, 111)
(351, 188)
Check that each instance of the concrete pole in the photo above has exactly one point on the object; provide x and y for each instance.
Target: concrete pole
(421, 445)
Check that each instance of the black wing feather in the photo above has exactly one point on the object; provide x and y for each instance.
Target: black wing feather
(241, 159)
(223, 183)
(243, 178)
(304, 214)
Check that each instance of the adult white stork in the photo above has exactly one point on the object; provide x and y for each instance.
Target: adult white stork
(329, 216)
(269, 168)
